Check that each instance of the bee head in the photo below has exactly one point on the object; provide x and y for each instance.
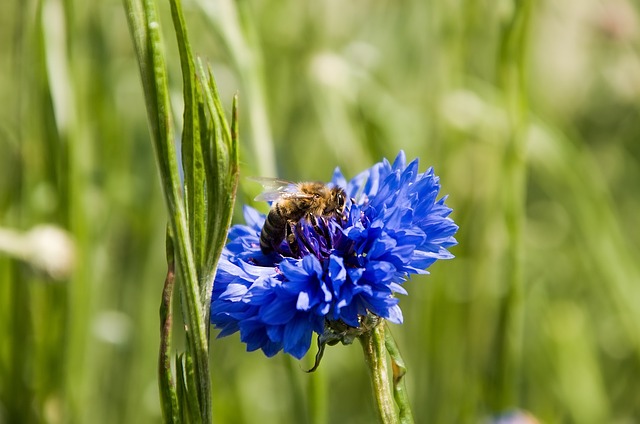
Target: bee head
(336, 204)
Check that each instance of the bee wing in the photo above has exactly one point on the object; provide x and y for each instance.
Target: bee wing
(276, 189)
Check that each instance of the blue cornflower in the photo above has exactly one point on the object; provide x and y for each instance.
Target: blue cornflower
(343, 268)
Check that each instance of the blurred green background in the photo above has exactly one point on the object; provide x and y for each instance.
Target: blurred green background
(529, 111)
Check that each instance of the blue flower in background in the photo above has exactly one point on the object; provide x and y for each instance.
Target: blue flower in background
(343, 269)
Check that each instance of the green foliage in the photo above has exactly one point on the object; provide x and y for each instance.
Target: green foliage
(527, 110)
(199, 220)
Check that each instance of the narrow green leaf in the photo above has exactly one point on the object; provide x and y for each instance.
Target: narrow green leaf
(227, 166)
(229, 185)
(235, 134)
(191, 401)
(192, 161)
(221, 118)
(399, 371)
(221, 162)
(212, 155)
(182, 391)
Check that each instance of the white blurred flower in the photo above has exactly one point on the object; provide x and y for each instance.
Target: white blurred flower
(46, 247)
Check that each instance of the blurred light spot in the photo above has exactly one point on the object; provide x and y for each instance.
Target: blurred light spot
(46, 247)
(53, 409)
(52, 250)
(363, 54)
(561, 55)
(623, 76)
(112, 327)
(617, 20)
(55, 39)
(463, 109)
(331, 70)
(541, 146)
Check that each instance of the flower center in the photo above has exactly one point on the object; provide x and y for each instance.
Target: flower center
(313, 235)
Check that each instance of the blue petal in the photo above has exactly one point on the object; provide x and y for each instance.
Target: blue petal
(253, 218)
(234, 292)
(338, 179)
(278, 312)
(303, 303)
(297, 337)
(395, 315)
(337, 272)
(400, 160)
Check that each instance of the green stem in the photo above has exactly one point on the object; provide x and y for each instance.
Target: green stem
(399, 371)
(375, 355)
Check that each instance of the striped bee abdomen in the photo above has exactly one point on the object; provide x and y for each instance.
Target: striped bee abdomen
(273, 231)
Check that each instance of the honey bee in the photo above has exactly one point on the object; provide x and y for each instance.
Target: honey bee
(291, 203)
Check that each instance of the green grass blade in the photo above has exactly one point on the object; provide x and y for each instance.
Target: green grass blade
(187, 391)
(191, 146)
(220, 151)
(181, 389)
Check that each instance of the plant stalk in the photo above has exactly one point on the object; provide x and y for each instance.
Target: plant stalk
(375, 355)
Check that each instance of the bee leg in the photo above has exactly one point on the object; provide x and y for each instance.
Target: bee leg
(325, 230)
(313, 220)
(291, 239)
(301, 237)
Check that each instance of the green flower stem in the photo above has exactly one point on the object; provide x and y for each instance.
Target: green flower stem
(399, 371)
(375, 355)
